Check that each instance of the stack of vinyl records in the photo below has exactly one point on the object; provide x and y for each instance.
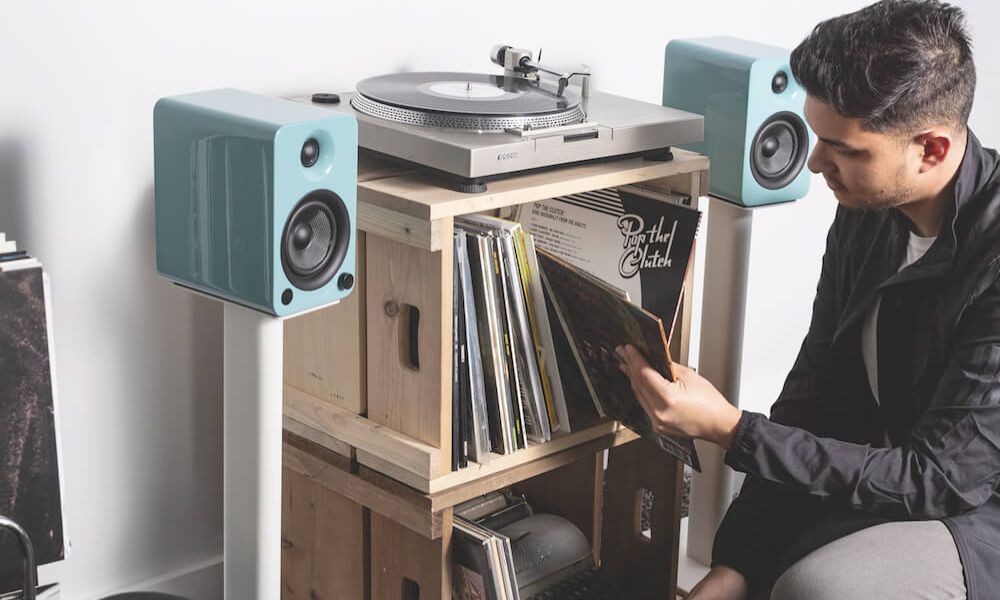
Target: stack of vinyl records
(503, 550)
(12, 259)
(484, 566)
(506, 385)
(535, 332)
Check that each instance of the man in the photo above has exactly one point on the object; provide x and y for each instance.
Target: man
(876, 475)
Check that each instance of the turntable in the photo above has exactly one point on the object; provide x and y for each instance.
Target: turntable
(472, 128)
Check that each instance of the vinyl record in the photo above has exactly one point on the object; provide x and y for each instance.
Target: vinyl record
(467, 101)
(467, 93)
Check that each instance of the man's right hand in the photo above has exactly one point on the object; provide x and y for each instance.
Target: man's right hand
(721, 583)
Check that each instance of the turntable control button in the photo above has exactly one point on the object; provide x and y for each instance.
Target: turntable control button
(325, 98)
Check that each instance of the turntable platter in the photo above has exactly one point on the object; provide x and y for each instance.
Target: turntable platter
(466, 101)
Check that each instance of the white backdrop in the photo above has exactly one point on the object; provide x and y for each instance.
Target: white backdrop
(139, 361)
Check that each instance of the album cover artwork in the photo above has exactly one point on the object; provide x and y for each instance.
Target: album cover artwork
(597, 318)
(635, 239)
(29, 471)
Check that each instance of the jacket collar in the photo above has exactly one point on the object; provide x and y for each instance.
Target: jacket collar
(879, 269)
(976, 170)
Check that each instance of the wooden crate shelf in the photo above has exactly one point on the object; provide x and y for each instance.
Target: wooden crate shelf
(368, 431)
(411, 207)
(409, 461)
(422, 196)
(366, 508)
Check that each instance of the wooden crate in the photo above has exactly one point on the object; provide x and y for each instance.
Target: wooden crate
(369, 432)
(361, 535)
(349, 379)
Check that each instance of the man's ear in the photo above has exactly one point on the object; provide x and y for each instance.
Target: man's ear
(935, 145)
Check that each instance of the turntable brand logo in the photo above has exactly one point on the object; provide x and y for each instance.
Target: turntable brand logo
(506, 156)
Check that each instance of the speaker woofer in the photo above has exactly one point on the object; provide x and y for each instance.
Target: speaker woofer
(779, 149)
(315, 239)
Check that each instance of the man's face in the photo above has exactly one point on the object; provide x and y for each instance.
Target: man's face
(865, 169)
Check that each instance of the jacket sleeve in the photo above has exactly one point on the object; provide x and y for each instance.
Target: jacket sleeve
(950, 466)
(765, 514)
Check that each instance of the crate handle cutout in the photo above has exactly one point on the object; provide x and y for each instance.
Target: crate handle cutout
(409, 332)
(411, 589)
(414, 337)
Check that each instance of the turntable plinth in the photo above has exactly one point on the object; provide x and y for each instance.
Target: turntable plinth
(368, 480)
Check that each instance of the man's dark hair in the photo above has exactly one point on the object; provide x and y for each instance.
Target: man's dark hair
(898, 65)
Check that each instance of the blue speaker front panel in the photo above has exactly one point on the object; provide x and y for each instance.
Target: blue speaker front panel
(763, 103)
(335, 170)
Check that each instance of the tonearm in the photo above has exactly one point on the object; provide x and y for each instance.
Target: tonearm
(518, 62)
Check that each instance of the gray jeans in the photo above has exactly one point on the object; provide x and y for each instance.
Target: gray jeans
(911, 560)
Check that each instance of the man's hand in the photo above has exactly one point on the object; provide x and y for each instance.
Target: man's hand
(690, 406)
(721, 583)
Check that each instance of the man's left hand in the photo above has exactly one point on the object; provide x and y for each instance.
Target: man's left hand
(689, 406)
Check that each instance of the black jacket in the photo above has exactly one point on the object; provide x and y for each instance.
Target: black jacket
(817, 470)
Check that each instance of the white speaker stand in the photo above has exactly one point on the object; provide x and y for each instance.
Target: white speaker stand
(750, 294)
(252, 424)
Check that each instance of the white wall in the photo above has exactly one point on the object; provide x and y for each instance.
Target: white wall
(138, 361)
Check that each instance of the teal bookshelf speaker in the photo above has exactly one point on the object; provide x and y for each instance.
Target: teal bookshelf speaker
(256, 199)
(755, 134)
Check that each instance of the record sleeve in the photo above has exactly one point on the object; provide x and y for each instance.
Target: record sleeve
(548, 369)
(491, 342)
(512, 370)
(534, 405)
(473, 561)
(507, 559)
(479, 442)
(598, 318)
(460, 399)
(581, 408)
(456, 368)
(533, 398)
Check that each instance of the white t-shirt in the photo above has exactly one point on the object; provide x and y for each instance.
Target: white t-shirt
(915, 248)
